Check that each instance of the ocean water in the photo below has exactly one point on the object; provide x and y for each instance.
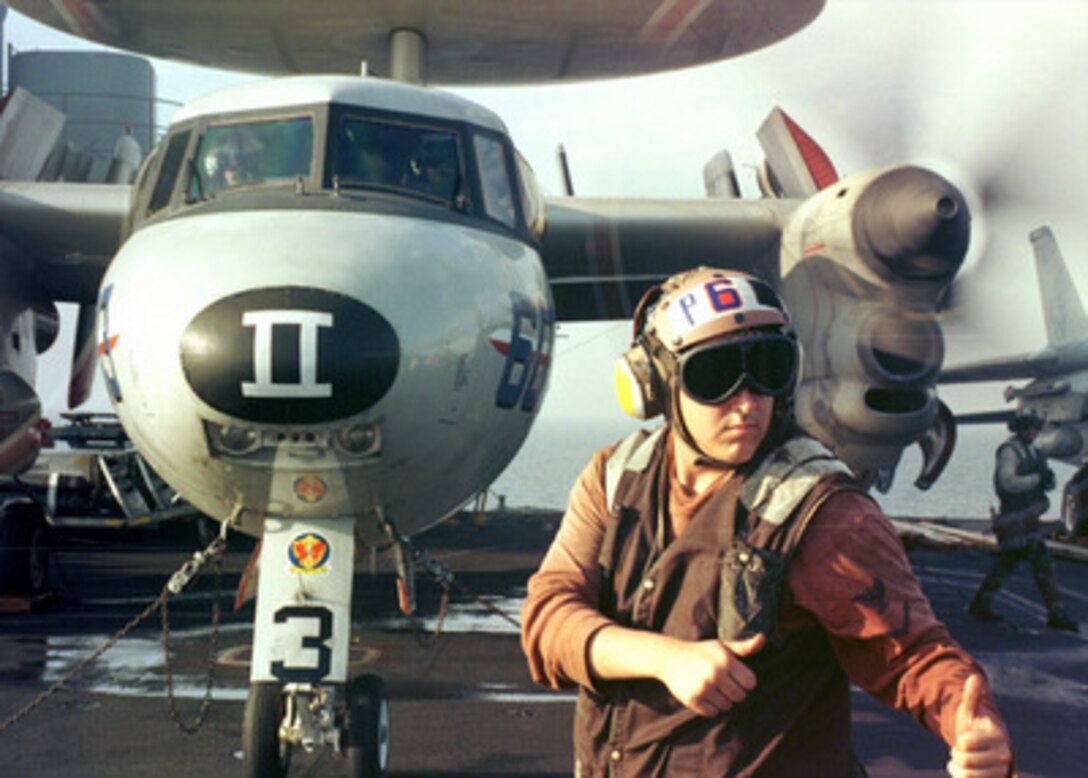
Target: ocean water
(558, 448)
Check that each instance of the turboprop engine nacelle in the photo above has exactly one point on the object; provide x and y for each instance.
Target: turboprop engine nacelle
(864, 264)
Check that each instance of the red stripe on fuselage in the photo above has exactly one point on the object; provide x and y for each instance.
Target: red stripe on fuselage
(503, 348)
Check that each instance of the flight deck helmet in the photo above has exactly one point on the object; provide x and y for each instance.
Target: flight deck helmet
(1026, 420)
(707, 332)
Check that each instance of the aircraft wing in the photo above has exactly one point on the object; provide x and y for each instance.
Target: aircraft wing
(602, 254)
(1003, 369)
(60, 236)
(486, 41)
(986, 417)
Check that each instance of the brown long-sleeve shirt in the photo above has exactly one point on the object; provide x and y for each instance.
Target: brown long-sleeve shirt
(849, 574)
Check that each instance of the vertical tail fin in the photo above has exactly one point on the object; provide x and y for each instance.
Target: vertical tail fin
(796, 165)
(1062, 308)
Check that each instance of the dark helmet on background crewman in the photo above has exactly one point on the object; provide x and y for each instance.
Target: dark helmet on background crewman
(1026, 420)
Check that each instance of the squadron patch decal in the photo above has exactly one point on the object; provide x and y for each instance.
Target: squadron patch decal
(310, 489)
(309, 553)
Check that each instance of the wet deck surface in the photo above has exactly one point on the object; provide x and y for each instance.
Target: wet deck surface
(463, 705)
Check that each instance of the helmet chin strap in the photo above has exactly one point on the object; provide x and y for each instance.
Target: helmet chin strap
(665, 365)
(677, 423)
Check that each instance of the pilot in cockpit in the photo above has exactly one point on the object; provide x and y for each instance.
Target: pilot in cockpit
(433, 170)
(225, 163)
(364, 155)
(230, 168)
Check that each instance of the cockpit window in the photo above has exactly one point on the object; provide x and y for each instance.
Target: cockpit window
(168, 173)
(495, 180)
(393, 155)
(251, 153)
(532, 198)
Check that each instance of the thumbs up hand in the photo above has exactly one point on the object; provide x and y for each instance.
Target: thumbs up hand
(981, 747)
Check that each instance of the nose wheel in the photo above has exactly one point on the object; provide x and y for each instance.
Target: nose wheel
(280, 718)
(265, 754)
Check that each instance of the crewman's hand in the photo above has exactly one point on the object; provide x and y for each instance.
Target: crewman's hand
(708, 676)
(1049, 480)
(982, 748)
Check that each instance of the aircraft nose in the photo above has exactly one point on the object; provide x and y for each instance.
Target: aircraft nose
(290, 355)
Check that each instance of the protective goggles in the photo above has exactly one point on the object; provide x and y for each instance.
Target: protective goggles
(766, 364)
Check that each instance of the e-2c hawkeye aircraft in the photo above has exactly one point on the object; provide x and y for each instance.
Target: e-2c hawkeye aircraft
(1057, 389)
(325, 310)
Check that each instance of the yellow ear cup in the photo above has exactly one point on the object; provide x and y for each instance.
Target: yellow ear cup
(638, 387)
(629, 389)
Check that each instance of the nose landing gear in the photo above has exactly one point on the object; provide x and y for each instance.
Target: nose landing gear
(279, 719)
(299, 693)
(264, 752)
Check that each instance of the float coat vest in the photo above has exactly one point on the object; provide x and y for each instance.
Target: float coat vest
(1029, 460)
(720, 578)
(1018, 519)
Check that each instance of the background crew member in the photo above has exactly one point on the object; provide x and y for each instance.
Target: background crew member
(1021, 480)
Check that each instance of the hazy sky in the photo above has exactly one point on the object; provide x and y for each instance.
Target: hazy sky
(988, 92)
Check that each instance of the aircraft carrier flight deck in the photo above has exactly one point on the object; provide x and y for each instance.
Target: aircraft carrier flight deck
(462, 703)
